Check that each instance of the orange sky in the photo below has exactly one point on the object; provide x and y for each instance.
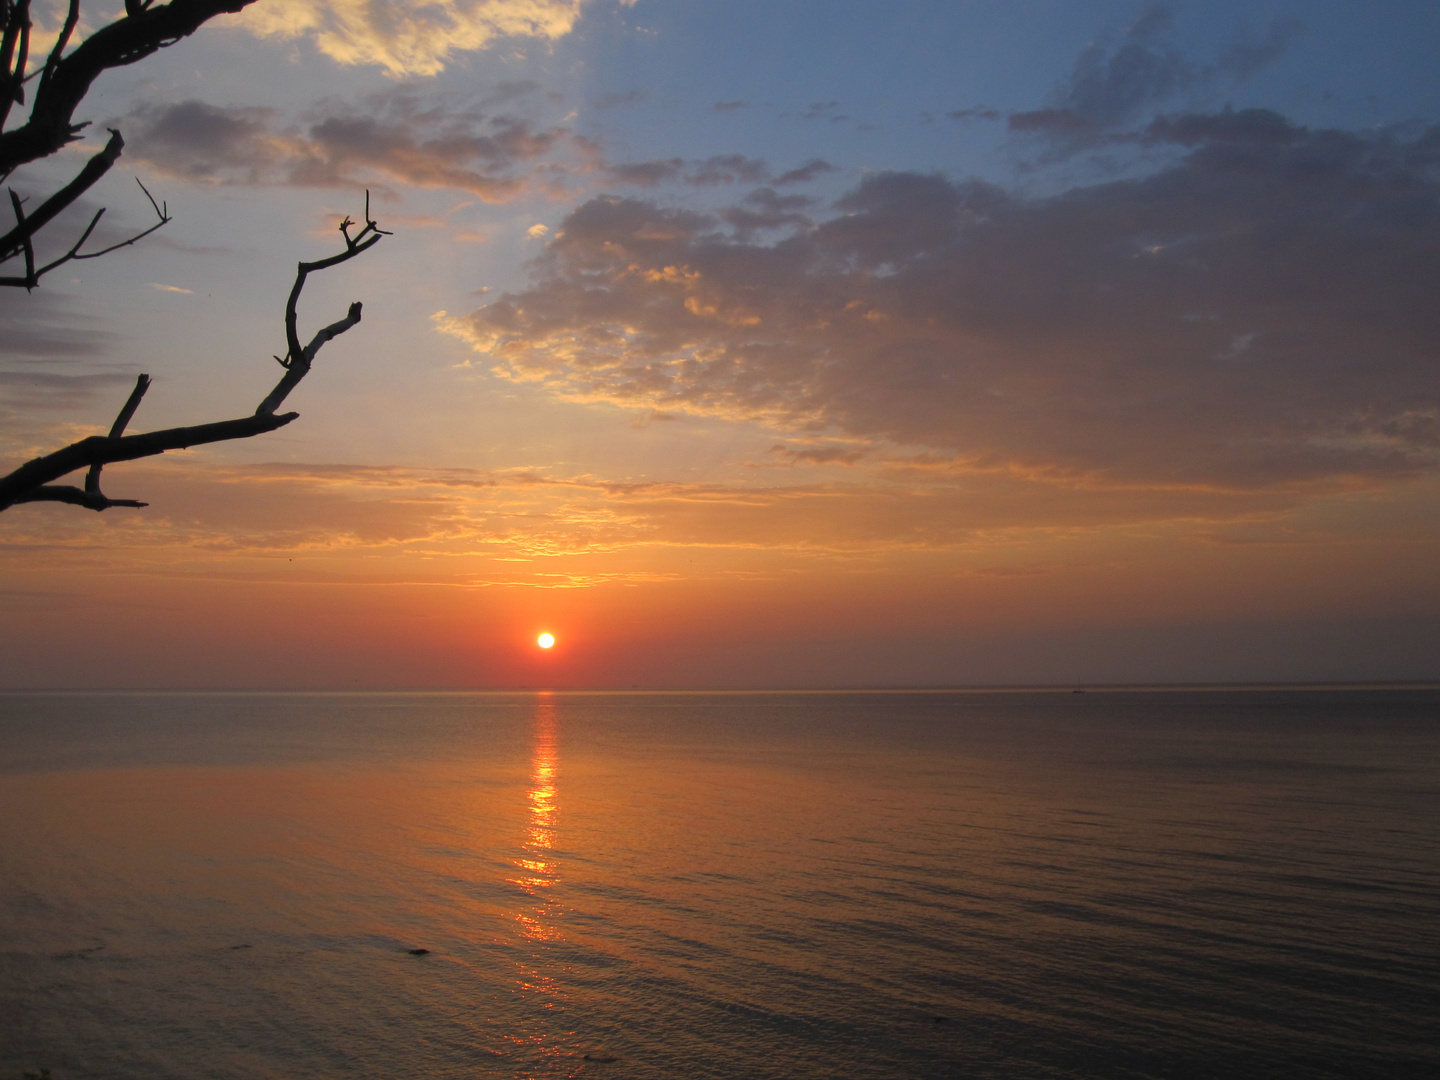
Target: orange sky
(1101, 355)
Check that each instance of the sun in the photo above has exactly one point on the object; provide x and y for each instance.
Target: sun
(545, 640)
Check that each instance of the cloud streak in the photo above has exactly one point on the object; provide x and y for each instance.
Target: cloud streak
(397, 135)
(405, 137)
(454, 523)
(715, 171)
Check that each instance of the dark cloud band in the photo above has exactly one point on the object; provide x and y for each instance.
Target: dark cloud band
(1258, 313)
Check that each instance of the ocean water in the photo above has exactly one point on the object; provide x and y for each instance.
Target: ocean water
(1176, 884)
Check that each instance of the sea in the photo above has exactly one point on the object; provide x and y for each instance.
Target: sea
(750, 886)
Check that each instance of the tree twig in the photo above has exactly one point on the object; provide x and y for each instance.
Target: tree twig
(142, 383)
(34, 481)
(296, 361)
(32, 275)
(18, 238)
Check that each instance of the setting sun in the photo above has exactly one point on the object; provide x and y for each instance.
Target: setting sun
(545, 640)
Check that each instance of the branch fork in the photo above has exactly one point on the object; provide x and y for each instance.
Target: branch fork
(61, 83)
(32, 482)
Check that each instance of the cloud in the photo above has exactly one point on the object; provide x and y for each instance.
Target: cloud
(626, 100)
(763, 208)
(201, 142)
(1115, 85)
(817, 455)
(1258, 127)
(1242, 59)
(707, 172)
(462, 526)
(26, 391)
(40, 327)
(1259, 312)
(407, 38)
(715, 171)
(728, 169)
(54, 373)
(406, 137)
(805, 173)
(398, 135)
(646, 173)
(976, 112)
(821, 110)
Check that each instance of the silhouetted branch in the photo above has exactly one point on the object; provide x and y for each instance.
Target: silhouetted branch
(143, 30)
(19, 238)
(72, 16)
(14, 54)
(19, 208)
(62, 84)
(33, 481)
(92, 478)
(73, 495)
(296, 361)
(25, 484)
(12, 242)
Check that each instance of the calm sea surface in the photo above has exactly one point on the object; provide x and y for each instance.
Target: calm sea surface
(1222, 884)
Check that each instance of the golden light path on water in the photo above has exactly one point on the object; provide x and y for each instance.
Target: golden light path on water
(537, 876)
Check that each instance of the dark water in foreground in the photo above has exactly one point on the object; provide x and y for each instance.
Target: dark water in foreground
(1239, 884)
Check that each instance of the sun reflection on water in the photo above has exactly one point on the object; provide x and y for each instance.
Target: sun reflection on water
(536, 863)
(538, 922)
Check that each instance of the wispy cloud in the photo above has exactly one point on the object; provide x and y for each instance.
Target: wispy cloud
(34, 389)
(40, 326)
(448, 522)
(627, 99)
(817, 455)
(975, 112)
(805, 173)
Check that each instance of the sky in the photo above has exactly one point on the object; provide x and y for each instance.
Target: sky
(748, 344)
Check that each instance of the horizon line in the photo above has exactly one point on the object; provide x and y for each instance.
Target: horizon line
(976, 688)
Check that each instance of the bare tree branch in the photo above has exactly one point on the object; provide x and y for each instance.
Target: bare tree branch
(32, 275)
(73, 495)
(142, 31)
(19, 207)
(297, 360)
(63, 83)
(14, 54)
(20, 237)
(25, 483)
(72, 16)
(92, 478)
(34, 481)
